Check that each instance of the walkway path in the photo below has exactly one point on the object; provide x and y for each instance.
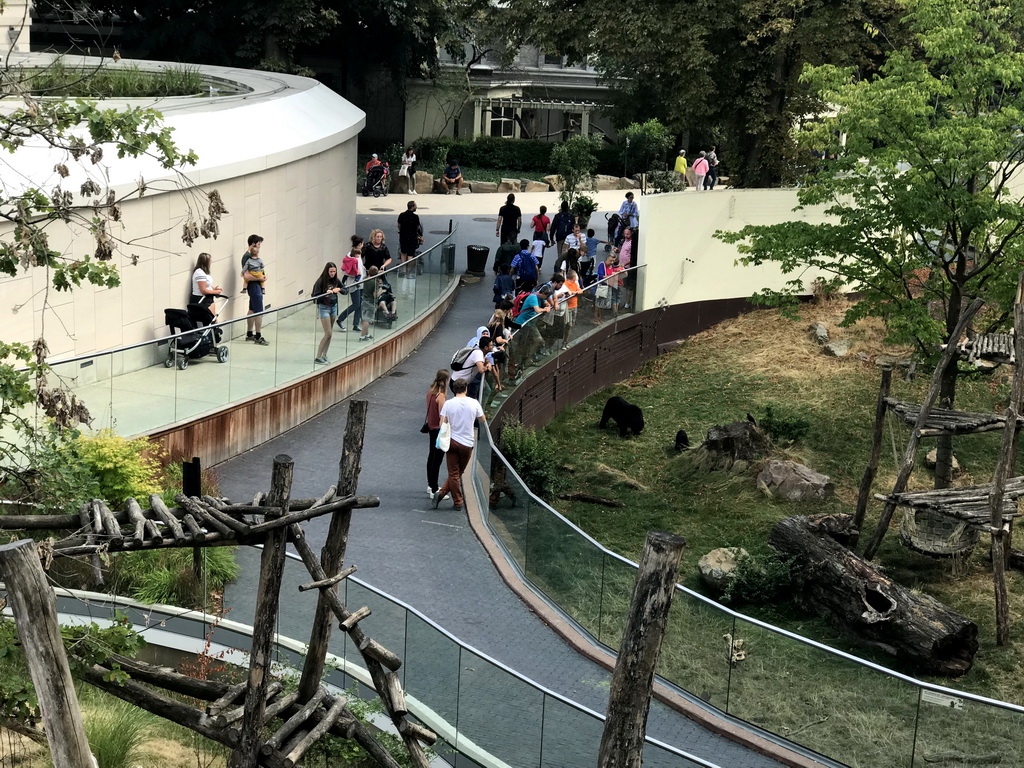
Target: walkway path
(429, 558)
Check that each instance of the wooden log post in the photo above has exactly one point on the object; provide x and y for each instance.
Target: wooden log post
(268, 597)
(876, 452)
(332, 556)
(35, 614)
(1004, 468)
(622, 743)
(910, 453)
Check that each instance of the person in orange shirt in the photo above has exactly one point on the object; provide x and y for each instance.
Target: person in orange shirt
(374, 161)
(571, 302)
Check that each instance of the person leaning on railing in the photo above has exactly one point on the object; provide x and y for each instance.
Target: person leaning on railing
(528, 339)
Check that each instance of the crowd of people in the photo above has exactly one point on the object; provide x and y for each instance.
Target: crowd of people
(532, 318)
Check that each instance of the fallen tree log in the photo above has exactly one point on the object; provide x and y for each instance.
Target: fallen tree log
(589, 498)
(837, 583)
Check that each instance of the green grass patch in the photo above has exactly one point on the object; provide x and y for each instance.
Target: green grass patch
(820, 411)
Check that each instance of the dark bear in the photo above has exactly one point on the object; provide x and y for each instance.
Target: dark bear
(628, 417)
(682, 441)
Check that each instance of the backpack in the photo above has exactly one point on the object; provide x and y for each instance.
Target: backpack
(459, 358)
(527, 268)
(563, 225)
(517, 305)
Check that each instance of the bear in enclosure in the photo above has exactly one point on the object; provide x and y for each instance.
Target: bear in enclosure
(627, 417)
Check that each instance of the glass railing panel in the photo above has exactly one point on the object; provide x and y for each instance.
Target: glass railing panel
(508, 504)
(572, 737)
(961, 733)
(292, 344)
(431, 665)
(499, 712)
(386, 624)
(693, 651)
(824, 702)
(565, 566)
(616, 591)
(90, 381)
(251, 367)
(656, 756)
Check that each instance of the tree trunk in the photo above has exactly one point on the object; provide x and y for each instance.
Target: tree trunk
(876, 452)
(837, 583)
(268, 596)
(35, 616)
(622, 743)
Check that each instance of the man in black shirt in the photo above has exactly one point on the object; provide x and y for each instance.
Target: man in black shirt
(410, 235)
(510, 221)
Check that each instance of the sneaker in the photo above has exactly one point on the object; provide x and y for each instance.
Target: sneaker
(321, 360)
(261, 342)
(457, 192)
(430, 492)
(367, 337)
(565, 347)
(435, 499)
(457, 509)
(341, 325)
(249, 337)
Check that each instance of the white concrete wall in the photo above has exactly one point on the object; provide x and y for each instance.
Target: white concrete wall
(282, 156)
(14, 14)
(685, 262)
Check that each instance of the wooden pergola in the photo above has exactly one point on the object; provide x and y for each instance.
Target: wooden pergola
(239, 716)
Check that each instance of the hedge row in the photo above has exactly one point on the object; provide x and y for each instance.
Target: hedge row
(527, 155)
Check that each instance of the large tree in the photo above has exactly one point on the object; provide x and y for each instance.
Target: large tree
(925, 198)
(723, 73)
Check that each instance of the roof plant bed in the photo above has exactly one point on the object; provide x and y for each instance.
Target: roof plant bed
(112, 80)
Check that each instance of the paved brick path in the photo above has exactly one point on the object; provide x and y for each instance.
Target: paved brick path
(430, 558)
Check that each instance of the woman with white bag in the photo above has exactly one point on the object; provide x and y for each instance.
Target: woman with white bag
(459, 415)
(408, 169)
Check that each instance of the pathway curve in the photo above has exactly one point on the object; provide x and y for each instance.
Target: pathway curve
(429, 558)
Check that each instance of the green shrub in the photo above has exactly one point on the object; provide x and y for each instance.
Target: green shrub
(166, 575)
(123, 468)
(534, 458)
(522, 155)
(116, 733)
(759, 580)
(116, 81)
(784, 426)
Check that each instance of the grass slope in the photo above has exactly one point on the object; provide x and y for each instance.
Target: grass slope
(716, 377)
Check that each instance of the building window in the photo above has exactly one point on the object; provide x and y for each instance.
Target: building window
(552, 60)
(503, 121)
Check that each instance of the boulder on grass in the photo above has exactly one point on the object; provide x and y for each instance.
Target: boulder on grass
(819, 333)
(929, 461)
(718, 568)
(627, 183)
(536, 186)
(730, 447)
(482, 187)
(603, 182)
(838, 348)
(794, 482)
(399, 185)
(509, 185)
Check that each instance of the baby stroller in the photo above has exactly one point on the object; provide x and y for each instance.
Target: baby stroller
(198, 339)
(376, 183)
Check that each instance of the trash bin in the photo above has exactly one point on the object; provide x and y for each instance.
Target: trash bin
(476, 260)
(448, 258)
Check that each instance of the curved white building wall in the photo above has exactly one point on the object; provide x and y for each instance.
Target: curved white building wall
(282, 154)
(685, 262)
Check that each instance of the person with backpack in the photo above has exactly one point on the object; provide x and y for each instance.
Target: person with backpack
(504, 286)
(470, 365)
(525, 267)
(528, 339)
(561, 227)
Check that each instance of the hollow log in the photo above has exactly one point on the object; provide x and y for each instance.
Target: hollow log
(837, 583)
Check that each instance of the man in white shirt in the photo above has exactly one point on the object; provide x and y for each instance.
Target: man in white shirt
(461, 413)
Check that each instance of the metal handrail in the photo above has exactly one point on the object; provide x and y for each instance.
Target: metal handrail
(225, 323)
(173, 611)
(1015, 708)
